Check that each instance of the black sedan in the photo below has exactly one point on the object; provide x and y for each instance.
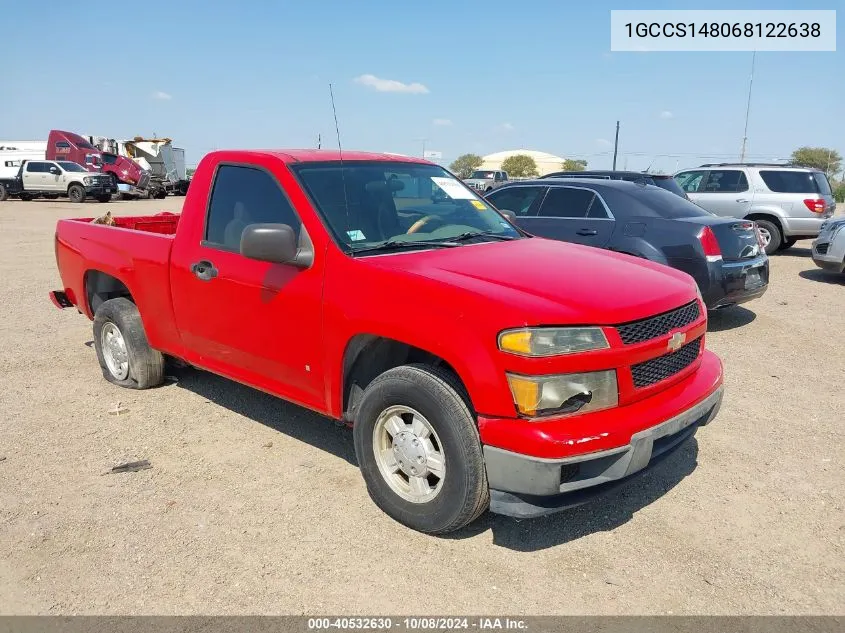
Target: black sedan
(724, 255)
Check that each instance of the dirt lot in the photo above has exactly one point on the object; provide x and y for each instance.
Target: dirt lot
(256, 506)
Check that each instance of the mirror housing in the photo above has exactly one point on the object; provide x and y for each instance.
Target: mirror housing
(510, 215)
(54, 169)
(276, 243)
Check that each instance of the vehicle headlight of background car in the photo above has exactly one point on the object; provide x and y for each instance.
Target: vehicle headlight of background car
(87, 181)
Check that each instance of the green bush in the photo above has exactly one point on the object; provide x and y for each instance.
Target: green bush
(839, 193)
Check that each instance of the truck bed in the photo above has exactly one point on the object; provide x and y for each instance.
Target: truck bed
(163, 223)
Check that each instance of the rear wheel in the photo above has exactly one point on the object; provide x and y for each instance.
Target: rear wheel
(788, 243)
(419, 451)
(770, 233)
(123, 351)
(76, 193)
(104, 198)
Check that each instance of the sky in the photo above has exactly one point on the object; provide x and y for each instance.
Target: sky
(449, 76)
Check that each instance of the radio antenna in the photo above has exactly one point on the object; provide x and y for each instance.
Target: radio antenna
(340, 153)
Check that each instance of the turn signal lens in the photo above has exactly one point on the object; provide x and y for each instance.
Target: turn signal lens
(564, 394)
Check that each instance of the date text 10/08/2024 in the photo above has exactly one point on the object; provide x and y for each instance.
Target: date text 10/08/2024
(418, 623)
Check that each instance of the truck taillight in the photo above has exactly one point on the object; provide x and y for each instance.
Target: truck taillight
(710, 244)
(815, 205)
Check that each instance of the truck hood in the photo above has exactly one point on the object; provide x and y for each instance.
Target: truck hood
(478, 181)
(550, 282)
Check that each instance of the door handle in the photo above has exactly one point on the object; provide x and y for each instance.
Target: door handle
(586, 232)
(741, 200)
(204, 270)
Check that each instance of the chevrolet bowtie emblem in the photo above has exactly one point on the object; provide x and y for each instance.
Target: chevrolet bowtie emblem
(676, 341)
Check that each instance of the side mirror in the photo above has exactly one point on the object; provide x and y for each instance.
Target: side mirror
(510, 215)
(276, 243)
(54, 170)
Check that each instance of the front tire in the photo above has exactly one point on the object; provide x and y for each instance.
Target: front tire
(429, 471)
(4, 193)
(123, 351)
(76, 193)
(771, 235)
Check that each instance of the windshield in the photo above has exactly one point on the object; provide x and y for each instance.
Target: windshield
(69, 166)
(669, 184)
(365, 204)
(483, 175)
(109, 159)
(85, 145)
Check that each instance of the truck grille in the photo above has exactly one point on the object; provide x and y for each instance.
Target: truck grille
(662, 367)
(652, 327)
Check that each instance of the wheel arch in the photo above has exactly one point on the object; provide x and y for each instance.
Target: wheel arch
(367, 356)
(100, 287)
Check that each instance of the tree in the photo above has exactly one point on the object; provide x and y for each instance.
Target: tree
(574, 164)
(827, 160)
(465, 164)
(520, 166)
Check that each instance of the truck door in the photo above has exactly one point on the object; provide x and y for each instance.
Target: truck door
(55, 178)
(572, 214)
(254, 321)
(35, 175)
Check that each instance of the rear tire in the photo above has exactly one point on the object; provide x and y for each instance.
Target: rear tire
(417, 415)
(772, 230)
(4, 194)
(789, 243)
(76, 193)
(104, 198)
(125, 355)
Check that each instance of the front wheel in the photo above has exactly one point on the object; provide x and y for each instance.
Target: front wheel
(4, 193)
(76, 193)
(418, 449)
(123, 351)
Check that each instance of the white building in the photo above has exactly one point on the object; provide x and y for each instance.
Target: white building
(546, 163)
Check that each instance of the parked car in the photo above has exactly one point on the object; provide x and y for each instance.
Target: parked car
(664, 181)
(487, 179)
(788, 203)
(724, 256)
(477, 364)
(829, 246)
(54, 178)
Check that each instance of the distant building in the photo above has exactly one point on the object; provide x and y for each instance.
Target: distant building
(546, 163)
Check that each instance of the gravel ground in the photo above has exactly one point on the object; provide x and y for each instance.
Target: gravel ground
(256, 506)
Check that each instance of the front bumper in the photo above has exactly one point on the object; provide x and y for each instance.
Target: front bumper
(736, 282)
(100, 189)
(567, 461)
(830, 255)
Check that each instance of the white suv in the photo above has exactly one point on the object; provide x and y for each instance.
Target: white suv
(787, 203)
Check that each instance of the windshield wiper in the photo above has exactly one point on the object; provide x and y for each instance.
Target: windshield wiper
(471, 234)
(392, 245)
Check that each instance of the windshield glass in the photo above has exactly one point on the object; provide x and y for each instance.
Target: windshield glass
(483, 175)
(109, 159)
(365, 204)
(85, 145)
(69, 166)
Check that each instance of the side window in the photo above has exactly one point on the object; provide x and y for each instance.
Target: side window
(567, 202)
(498, 176)
(505, 176)
(516, 199)
(690, 180)
(725, 181)
(242, 196)
(36, 168)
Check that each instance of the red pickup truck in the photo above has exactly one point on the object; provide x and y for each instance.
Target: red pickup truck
(479, 366)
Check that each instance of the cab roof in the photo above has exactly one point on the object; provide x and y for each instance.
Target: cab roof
(320, 155)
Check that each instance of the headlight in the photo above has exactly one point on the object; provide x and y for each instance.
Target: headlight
(550, 341)
(87, 181)
(536, 396)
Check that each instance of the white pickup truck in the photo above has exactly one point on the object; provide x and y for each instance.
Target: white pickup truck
(487, 179)
(54, 178)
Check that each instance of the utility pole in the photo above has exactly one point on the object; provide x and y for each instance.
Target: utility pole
(747, 109)
(615, 146)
